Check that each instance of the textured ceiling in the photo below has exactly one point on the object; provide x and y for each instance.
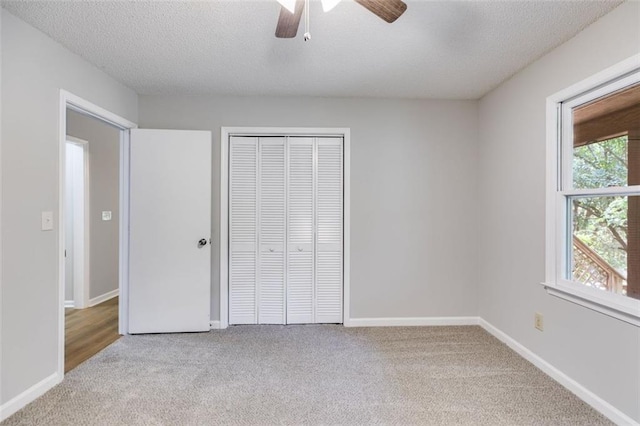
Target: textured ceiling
(437, 49)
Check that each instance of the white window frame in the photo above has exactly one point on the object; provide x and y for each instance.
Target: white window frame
(559, 176)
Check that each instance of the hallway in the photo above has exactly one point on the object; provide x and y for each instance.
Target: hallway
(88, 331)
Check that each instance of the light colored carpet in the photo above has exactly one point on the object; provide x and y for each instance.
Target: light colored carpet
(262, 375)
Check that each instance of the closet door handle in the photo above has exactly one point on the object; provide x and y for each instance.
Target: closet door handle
(202, 243)
(271, 250)
(300, 248)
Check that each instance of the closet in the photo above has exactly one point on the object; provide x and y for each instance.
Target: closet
(285, 230)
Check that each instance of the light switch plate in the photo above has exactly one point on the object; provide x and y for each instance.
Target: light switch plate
(47, 221)
(106, 215)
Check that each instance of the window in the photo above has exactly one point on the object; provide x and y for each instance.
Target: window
(593, 193)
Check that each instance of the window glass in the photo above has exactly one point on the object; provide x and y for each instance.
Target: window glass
(602, 164)
(600, 242)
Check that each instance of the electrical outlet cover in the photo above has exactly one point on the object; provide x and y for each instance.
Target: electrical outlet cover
(539, 321)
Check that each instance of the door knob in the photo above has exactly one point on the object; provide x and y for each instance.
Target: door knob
(202, 243)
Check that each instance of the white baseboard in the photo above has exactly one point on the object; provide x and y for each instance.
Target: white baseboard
(69, 304)
(103, 298)
(599, 404)
(15, 404)
(215, 325)
(410, 321)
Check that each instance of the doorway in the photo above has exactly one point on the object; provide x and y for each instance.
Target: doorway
(91, 236)
(93, 218)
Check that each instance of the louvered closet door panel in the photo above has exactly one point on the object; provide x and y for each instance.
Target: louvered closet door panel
(271, 238)
(300, 255)
(329, 210)
(243, 182)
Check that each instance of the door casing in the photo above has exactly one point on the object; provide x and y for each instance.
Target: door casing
(78, 104)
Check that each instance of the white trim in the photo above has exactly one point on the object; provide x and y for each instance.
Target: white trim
(621, 68)
(223, 285)
(123, 255)
(69, 304)
(225, 133)
(411, 321)
(599, 404)
(557, 191)
(103, 297)
(34, 392)
(215, 325)
(346, 228)
(77, 141)
(76, 103)
(603, 192)
(592, 299)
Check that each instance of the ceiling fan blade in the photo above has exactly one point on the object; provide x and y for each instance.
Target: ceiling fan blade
(389, 10)
(288, 22)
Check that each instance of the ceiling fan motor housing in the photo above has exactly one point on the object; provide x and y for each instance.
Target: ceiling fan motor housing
(289, 19)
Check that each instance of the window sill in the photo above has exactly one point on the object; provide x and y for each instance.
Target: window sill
(627, 312)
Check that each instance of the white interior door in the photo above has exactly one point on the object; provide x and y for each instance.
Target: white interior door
(170, 219)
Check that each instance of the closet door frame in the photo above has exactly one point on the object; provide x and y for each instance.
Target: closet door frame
(225, 134)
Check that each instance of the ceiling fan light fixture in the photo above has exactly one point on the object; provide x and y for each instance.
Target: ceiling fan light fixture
(327, 5)
(290, 5)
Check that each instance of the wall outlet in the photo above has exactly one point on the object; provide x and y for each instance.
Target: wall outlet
(538, 321)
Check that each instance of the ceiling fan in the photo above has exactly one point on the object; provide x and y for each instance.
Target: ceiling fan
(291, 12)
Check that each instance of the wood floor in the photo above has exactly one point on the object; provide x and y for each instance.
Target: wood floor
(88, 331)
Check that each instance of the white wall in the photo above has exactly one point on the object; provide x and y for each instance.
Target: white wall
(104, 182)
(34, 68)
(601, 353)
(413, 191)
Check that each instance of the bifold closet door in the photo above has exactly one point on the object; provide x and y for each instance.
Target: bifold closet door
(243, 230)
(329, 230)
(271, 231)
(314, 229)
(300, 232)
(285, 233)
(257, 231)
